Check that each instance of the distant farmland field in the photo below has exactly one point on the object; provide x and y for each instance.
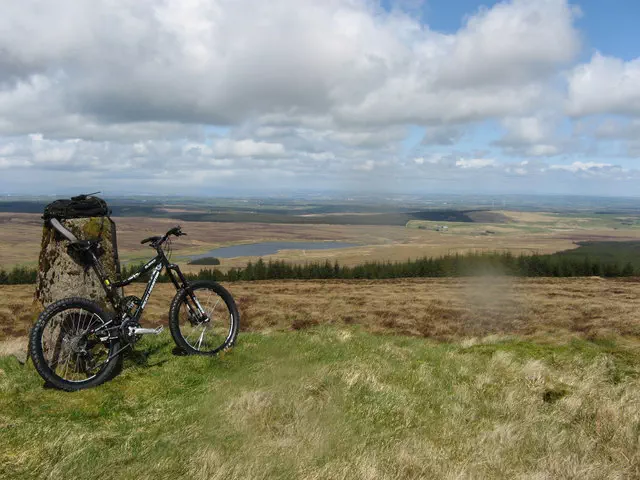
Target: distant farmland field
(517, 232)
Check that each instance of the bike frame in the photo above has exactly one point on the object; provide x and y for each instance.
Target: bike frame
(155, 265)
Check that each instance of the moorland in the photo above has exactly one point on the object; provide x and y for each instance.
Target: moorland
(485, 376)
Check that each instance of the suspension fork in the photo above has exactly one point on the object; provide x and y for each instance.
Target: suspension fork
(183, 284)
(202, 314)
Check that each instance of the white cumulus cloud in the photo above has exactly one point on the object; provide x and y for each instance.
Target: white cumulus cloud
(605, 85)
(181, 92)
(476, 163)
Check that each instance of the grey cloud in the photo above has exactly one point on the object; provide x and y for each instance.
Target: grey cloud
(610, 136)
(615, 128)
(633, 149)
(226, 62)
(535, 136)
(308, 91)
(445, 135)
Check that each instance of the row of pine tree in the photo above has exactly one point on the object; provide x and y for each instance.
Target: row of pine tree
(446, 266)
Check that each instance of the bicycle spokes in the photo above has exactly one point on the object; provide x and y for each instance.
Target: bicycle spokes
(204, 320)
(70, 348)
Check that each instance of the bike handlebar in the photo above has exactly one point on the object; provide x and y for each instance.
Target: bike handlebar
(157, 240)
(150, 239)
(177, 231)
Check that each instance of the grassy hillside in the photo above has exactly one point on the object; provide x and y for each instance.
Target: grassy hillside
(443, 309)
(335, 403)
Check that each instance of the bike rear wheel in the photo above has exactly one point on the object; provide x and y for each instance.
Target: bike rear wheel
(204, 335)
(70, 346)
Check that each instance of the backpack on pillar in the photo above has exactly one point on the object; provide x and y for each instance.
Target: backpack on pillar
(60, 275)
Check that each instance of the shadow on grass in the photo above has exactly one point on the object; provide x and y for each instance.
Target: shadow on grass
(140, 358)
(178, 352)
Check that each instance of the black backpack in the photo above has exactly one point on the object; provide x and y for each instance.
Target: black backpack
(81, 206)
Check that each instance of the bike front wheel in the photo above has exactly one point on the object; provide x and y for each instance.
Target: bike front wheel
(71, 347)
(204, 319)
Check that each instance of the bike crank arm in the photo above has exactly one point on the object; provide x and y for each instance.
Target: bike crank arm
(135, 331)
(147, 331)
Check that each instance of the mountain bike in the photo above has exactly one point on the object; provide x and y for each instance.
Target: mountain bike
(76, 344)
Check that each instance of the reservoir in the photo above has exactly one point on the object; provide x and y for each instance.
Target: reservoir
(269, 248)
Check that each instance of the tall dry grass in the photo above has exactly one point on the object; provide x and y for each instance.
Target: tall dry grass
(436, 308)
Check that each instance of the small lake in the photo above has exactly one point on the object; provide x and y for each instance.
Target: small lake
(269, 248)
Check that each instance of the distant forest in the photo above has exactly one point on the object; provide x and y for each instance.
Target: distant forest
(596, 259)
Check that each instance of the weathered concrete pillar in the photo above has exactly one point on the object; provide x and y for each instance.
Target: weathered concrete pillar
(61, 273)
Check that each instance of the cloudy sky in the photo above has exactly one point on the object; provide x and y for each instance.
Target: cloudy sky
(252, 96)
